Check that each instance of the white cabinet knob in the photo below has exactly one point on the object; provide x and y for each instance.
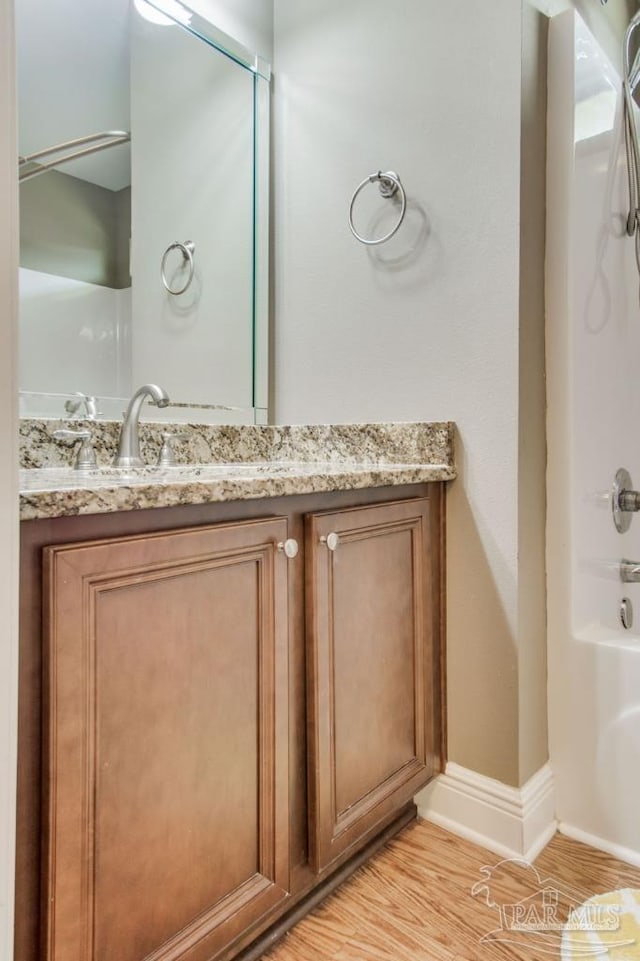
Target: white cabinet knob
(289, 548)
(332, 541)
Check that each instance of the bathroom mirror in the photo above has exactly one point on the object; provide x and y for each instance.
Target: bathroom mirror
(144, 260)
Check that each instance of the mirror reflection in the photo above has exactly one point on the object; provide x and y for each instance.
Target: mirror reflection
(140, 247)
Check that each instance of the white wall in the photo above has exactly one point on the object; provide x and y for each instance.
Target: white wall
(425, 327)
(56, 42)
(607, 22)
(249, 21)
(192, 179)
(8, 479)
(84, 326)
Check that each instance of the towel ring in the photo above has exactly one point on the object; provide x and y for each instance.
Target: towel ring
(390, 184)
(188, 249)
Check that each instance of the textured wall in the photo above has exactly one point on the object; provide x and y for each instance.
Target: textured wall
(192, 179)
(532, 450)
(426, 326)
(607, 22)
(8, 477)
(249, 21)
(76, 229)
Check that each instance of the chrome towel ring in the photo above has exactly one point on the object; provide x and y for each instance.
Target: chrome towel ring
(390, 184)
(188, 249)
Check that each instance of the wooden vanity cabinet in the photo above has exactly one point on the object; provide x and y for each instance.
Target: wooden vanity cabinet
(167, 789)
(226, 733)
(371, 625)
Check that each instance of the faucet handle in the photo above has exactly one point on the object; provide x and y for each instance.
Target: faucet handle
(86, 456)
(167, 455)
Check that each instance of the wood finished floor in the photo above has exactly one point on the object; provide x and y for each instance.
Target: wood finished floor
(414, 902)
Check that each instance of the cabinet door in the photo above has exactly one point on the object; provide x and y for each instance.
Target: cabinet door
(373, 696)
(167, 742)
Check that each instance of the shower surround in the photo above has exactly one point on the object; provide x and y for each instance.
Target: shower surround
(593, 359)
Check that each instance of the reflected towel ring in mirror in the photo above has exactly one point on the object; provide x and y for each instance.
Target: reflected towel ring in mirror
(188, 249)
(390, 184)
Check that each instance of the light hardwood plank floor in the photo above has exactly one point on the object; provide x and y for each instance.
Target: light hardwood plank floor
(414, 902)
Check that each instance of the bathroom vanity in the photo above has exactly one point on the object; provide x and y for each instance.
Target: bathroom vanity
(231, 690)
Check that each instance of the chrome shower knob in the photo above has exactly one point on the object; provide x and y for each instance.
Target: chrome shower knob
(624, 501)
(629, 572)
(289, 548)
(332, 541)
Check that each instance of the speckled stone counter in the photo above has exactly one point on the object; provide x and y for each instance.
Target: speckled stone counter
(228, 463)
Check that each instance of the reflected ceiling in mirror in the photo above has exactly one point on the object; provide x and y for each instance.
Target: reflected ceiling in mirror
(146, 261)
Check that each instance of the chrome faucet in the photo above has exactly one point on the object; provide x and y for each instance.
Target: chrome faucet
(72, 406)
(129, 444)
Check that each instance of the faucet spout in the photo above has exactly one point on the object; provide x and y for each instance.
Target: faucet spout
(129, 444)
(90, 405)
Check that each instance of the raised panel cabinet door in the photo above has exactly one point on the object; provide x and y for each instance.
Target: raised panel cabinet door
(372, 665)
(166, 737)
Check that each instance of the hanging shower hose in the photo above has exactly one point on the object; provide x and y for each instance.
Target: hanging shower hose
(633, 167)
(631, 139)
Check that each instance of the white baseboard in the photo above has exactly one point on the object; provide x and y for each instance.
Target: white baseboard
(609, 847)
(511, 822)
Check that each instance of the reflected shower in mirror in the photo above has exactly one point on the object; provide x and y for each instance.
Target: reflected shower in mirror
(144, 260)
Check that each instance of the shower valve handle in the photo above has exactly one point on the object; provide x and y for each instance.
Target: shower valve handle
(630, 572)
(629, 501)
(624, 501)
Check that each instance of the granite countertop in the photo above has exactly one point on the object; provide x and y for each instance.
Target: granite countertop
(227, 464)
